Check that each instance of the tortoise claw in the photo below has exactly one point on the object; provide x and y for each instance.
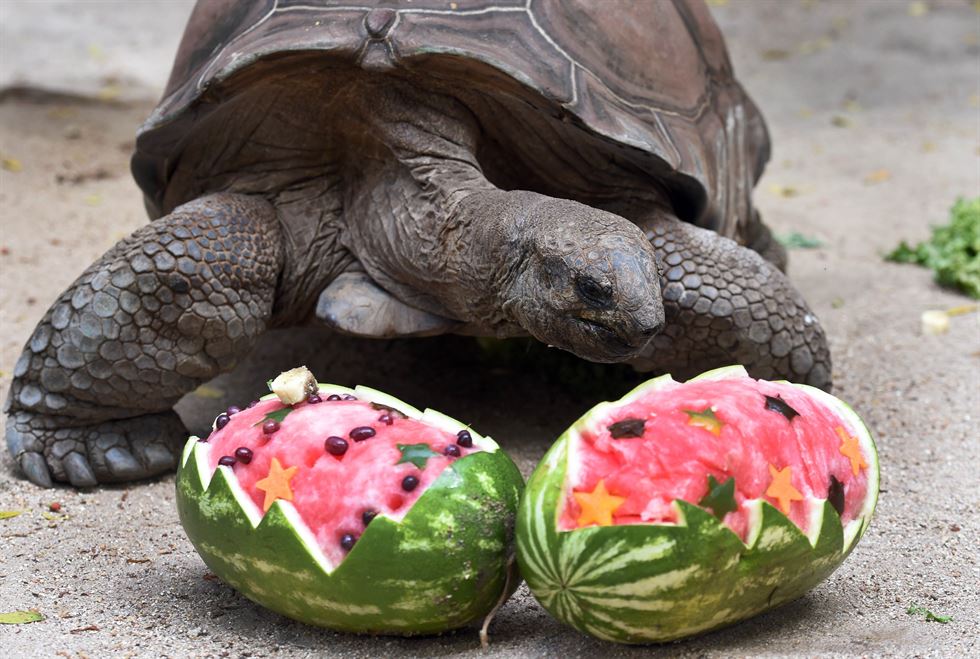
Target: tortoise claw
(36, 469)
(78, 471)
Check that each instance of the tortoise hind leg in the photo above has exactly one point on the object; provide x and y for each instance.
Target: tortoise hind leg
(724, 305)
(176, 303)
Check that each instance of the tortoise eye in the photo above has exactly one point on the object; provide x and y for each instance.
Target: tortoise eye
(592, 292)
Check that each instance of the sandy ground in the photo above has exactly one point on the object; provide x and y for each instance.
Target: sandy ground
(873, 110)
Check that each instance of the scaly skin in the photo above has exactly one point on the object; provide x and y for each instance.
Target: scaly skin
(173, 305)
(726, 304)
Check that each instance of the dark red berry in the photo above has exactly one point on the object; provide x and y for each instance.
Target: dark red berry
(253, 403)
(349, 397)
(361, 433)
(243, 454)
(368, 515)
(335, 445)
(313, 399)
(452, 450)
(234, 409)
(333, 397)
(409, 483)
(227, 461)
(347, 541)
(222, 421)
(386, 419)
(270, 426)
(464, 438)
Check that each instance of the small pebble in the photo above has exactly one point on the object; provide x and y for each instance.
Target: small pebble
(313, 399)
(253, 403)
(243, 454)
(452, 450)
(270, 426)
(409, 483)
(234, 409)
(222, 420)
(347, 541)
(332, 397)
(464, 438)
(335, 445)
(227, 461)
(361, 433)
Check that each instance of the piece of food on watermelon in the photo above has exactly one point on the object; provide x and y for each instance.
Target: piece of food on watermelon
(353, 510)
(684, 507)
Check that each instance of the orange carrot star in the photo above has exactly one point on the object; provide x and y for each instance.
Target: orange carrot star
(851, 449)
(276, 484)
(781, 488)
(597, 506)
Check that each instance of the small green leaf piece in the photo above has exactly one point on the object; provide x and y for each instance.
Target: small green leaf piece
(7, 514)
(720, 499)
(417, 454)
(930, 616)
(797, 240)
(20, 617)
(627, 428)
(274, 415)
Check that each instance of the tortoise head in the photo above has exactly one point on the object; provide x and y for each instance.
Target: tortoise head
(588, 282)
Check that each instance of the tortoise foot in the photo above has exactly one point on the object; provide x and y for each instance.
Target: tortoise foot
(108, 452)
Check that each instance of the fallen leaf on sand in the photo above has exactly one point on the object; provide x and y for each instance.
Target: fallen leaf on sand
(11, 164)
(840, 122)
(786, 191)
(20, 617)
(918, 8)
(878, 176)
(7, 514)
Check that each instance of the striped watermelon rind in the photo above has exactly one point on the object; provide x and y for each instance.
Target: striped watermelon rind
(445, 564)
(645, 583)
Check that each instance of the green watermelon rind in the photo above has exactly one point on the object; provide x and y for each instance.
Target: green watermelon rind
(651, 583)
(446, 563)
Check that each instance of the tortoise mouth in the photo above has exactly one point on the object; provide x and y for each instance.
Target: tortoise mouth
(611, 346)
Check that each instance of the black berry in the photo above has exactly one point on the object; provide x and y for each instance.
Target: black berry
(349, 397)
(361, 433)
(222, 421)
(347, 541)
(313, 399)
(386, 419)
(333, 397)
(270, 426)
(253, 403)
(234, 409)
(409, 483)
(243, 455)
(368, 515)
(464, 438)
(452, 450)
(336, 445)
(226, 461)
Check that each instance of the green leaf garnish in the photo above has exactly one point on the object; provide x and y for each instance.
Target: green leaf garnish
(417, 454)
(20, 617)
(720, 499)
(7, 514)
(275, 415)
(930, 616)
(953, 251)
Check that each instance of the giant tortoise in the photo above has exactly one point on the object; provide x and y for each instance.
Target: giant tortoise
(577, 171)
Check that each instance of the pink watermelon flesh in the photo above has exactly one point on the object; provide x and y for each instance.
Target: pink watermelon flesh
(672, 459)
(332, 493)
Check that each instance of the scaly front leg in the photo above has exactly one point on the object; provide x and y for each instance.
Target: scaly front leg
(726, 304)
(176, 303)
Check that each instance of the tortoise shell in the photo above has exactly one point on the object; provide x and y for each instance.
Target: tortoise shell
(644, 90)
